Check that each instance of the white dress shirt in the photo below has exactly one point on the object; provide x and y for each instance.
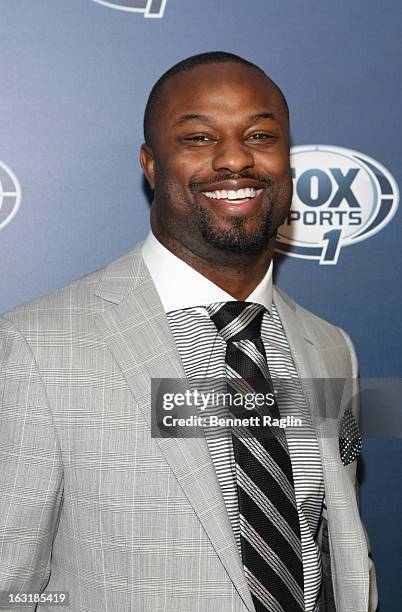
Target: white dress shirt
(173, 279)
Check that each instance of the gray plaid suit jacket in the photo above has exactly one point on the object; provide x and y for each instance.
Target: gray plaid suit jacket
(91, 504)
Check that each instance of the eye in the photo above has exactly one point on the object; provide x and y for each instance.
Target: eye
(198, 137)
(262, 137)
(198, 140)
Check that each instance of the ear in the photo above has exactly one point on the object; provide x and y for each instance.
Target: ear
(148, 164)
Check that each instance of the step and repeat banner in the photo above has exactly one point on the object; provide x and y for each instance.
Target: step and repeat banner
(75, 77)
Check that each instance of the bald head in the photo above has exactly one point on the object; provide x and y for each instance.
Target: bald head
(158, 97)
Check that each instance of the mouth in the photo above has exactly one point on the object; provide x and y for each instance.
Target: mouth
(234, 202)
(233, 196)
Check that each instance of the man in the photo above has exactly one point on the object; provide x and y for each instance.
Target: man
(91, 503)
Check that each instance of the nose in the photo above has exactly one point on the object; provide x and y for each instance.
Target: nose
(233, 156)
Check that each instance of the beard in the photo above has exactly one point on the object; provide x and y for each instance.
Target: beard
(235, 237)
(194, 224)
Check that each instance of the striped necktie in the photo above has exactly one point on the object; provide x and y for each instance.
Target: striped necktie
(269, 522)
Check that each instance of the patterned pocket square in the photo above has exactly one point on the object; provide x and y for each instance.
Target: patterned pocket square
(350, 439)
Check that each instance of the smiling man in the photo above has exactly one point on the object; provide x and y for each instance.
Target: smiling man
(91, 503)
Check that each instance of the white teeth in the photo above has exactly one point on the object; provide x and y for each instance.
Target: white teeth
(239, 194)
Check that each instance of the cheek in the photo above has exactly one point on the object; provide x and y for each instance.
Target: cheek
(282, 173)
(171, 191)
(186, 166)
(279, 164)
(274, 164)
(171, 171)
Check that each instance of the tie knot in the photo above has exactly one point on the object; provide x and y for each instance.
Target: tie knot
(237, 320)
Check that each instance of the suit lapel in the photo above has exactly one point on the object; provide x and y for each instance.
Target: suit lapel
(348, 548)
(137, 332)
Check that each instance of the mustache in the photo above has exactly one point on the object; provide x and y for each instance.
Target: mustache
(218, 178)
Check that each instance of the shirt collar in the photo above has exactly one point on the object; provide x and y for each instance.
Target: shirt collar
(180, 286)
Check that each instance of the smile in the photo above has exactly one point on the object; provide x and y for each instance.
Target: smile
(247, 193)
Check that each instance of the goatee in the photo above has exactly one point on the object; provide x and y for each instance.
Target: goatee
(235, 238)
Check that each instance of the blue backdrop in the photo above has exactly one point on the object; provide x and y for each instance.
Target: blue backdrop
(75, 78)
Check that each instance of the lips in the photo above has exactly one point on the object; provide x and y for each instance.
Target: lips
(235, 202)
(232, 195)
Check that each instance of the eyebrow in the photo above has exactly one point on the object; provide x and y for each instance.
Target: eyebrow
(206, 119)
(192, 117)
(262, 116)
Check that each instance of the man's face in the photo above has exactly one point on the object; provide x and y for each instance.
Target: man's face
(219, 163)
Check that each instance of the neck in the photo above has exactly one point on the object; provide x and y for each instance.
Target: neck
(237, 274)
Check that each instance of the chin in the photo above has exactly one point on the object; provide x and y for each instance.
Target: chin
(235, 237)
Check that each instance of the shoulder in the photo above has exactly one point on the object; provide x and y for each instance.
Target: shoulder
(79, 300)
(78, 297)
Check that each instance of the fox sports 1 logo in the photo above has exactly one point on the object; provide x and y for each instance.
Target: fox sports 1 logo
(340, 197)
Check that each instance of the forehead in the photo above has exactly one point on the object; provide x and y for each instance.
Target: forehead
(220, 90)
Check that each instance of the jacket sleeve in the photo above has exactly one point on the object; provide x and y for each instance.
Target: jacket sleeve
(351, 468)
(31, 478)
